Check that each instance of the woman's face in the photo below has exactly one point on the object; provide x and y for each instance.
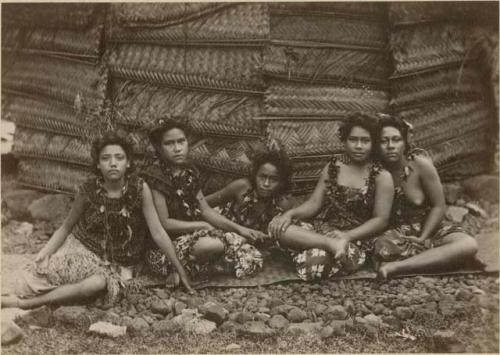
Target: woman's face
(113, 162)
(267, 180)
(174, 146)
(392, 144)
(359, 144)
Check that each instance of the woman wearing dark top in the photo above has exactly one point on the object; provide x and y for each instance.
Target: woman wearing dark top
(351, 204)
(419, 238)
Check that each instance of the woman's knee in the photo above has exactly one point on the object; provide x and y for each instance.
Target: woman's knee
(207, 247)
(468, 245)
(93, 284)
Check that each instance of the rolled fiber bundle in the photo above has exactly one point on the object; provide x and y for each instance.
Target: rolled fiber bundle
(437, 85)
(46, 116)
(437, 123)
(325, 28)
(320, 100)
(51, 175)
(339, 8)
(427, 46)
(38, 144)
(210, 113)
(307, 138)
(52, 15)
(326, 65)
(238, 22)
(68, 81)
(80, 44)
(215, 68)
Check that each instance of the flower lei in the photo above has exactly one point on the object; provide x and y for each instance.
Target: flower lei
(124, 214)
(186, 186)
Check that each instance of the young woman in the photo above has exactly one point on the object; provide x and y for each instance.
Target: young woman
(186, 215)
(420, 239)
(351, 204)
(255, 200)
(101, 242)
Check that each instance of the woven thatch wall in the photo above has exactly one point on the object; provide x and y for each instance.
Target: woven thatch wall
(243, 72)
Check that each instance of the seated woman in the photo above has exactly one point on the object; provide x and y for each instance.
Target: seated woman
(420, 239)
(351, 202)
(255, 200)
(186, 215)
(101, 242)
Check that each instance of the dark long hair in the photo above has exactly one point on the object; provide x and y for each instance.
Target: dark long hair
(281, 161)
(399, 124)
(111, 138)
(156, 135)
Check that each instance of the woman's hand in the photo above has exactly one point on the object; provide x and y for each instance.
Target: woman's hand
(204, 225)
(252, 235)
(342, 243)
(187, 284)
(279, 224)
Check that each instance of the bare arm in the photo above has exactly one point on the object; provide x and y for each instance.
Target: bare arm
(215, 218)
(62, 232)
(384, 196)
(228, 194)
(174, 226)
(159, 235)
(434, 192)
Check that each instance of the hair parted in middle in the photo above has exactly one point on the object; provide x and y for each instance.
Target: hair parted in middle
(111, 138)
(274, 153)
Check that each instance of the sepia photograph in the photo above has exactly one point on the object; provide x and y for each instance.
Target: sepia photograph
(249, 177)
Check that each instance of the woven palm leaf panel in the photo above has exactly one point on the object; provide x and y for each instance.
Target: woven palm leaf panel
(46, 116)
(76, 16)
(43, 145)
(473, 143)
(439, 122)
(248, 23)
(210, 113)
(293, 99)
(85, 44)
(161, 14)
(51, 176)
(465, 166)
(372, 10)
(427, 46)
(214, 68)
(68, 81)
(306, 171)
(436, 85)
(418, 12)
(325, 28)
(326, 65)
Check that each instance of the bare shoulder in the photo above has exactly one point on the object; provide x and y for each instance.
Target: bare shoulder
(286, 202)
(423, 164)
(384, 176)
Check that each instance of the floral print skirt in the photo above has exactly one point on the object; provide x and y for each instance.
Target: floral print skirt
(70, 264)
(314, 264)
(392, 245)
(239, 257)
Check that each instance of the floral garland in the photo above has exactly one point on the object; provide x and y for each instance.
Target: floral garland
(185, 185)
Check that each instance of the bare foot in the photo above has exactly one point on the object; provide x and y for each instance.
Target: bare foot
(10, 301)
(385, 270)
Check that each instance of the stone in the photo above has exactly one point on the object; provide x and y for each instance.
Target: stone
(11, 333)
(326, 332)
(263, 310)
(138, 326)
(373, 320)
(108, 329)
(482, 187)
(214, 312)
(392, 321)
(305, 328)
(233, 316)
(233, 347)
(112, 317)
(199, 326)
(161, 307)
(179, 307)
(230, 326)
(349, 306)
(317, 308)
(162, 293)
(257, 329)
(244, 317)
(403, 313)
(338, 327)
(336, 312)
(463, 294)
(378, 308)
(445, 341)
(456, 214)
(296, 315)
(73, 315)
(264, 317)
(166, 327)
(281, 309)
(278, 322)
(274, 302)
(51, 207)
(41, 316)
(452, 192)
(18, 200)
(194, 302)
(476, 210)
